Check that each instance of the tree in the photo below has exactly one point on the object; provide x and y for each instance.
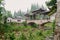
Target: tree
(34, 7)
(19, 13)
(52, 3)
(22, 37)
(3, 18)
(1, 10)
(15, 14)
(52, 6)
(57, 22)
(8, 14)
(53, 10)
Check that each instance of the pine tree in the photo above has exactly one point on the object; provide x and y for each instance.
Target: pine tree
(52, 3)
(34, 7)
(0, 11)
(8, 14)
(3, 19)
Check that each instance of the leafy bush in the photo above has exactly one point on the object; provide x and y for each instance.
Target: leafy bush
(8, 28)
(53, 25)
(25, 24)
(32, 24)
(22, 37)
(30, 36)
(11, 36)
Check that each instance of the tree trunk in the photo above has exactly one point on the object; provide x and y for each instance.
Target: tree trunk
(57, 28)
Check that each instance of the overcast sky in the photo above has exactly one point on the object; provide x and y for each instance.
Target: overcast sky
(15, 5)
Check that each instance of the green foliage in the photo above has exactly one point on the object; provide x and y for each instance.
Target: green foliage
(19, 13)
(2, 19)
(34, 25)
(15, 14)
(25, 24)
(2, 28)
(52, 3)
(34, 7)
(53, 25)
(48, 24)
(3, 23)
(5, 19)
(0, 11)
(53, 10)
(9, 36)
(39, 33)
(28, 35)
(22, 37)
(12, 37)
(27, 32)
(8, 14)
(1, 1)
(8, 28)
(5, 27)
(31, 37)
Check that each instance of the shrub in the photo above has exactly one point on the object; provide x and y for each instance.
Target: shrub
(53, 25)
(33, 24)
(30, 35)
(25, 24)
(22, 37)
(11, 36)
